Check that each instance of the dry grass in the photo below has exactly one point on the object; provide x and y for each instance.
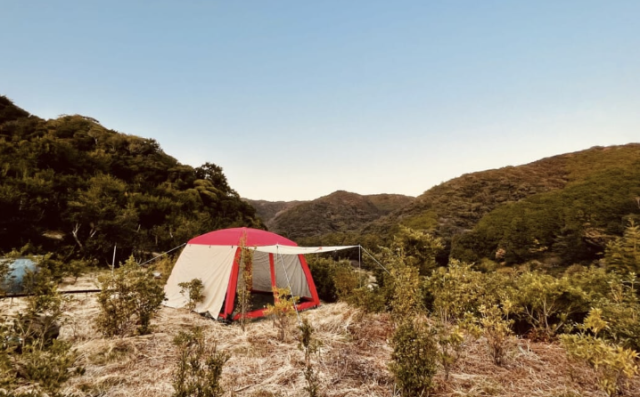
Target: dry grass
(351, 362)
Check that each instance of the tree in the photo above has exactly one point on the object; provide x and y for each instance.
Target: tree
(623, 254)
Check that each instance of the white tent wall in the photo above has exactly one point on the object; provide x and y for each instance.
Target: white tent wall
(212, 265)
(297, 278)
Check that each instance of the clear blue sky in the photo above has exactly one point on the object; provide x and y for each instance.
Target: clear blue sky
(296, 99)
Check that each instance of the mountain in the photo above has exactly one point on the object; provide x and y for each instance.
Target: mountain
(72, 186)
(269, 210)
(582, 194)
(340, 211)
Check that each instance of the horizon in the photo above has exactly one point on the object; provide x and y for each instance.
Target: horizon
(298, 100)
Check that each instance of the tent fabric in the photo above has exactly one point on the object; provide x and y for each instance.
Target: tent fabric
(289, 250)
(254, 238)
(214, 258)
(206, 263)
(294, 275)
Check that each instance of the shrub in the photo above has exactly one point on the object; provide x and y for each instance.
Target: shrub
(282, 310)
(496, 328)
(163, 267)
(546, 302)
(29, 351)
(129, 296)
(455, 290)
(413, 361)
(309, 346)
(621, 311)
(194, 290)
(623, 253)
(450, 340)
(419, 248)
(611, 363)
(199, 367)
(369, 299)
(328, 276)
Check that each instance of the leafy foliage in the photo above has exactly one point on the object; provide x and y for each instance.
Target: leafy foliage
(194, 290)
(612, 363)
(282, 310)
(30, 354)
(129, 296)
(496, 327)
(623, 253)
(74, 187)
(413, 361)
(199, 367)
(309, 346)
(331, 277)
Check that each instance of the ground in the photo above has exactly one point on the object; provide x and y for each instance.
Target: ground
(351, 362)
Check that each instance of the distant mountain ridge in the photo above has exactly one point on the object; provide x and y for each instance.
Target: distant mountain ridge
(339, 211)
(560, 209)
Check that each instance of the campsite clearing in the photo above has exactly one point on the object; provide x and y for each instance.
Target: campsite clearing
(352, 360)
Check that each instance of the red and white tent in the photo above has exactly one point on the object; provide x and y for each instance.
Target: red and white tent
(214, 258)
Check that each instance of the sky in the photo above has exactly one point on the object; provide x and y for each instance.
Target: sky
(297, 99)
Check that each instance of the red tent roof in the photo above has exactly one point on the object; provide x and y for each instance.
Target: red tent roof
(255, 238)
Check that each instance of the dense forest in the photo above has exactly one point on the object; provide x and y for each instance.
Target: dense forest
(71, 186)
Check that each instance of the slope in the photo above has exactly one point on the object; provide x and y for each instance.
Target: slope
(72, 186)
(456, 206)
(337, 212)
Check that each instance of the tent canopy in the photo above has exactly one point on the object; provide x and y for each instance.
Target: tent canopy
(289, 250)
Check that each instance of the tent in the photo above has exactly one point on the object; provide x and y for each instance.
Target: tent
(214, 258)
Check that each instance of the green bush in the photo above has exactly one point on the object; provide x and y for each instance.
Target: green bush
(29, 352)
(621, 311)
(455, 290)
(413, 360)
(129, 296)
(194, 290)
(547, 303)
(309, 346)
(496, 328)
(612, 363)
(623, 253)
(332, 278)
(282, 310)
(199, 367)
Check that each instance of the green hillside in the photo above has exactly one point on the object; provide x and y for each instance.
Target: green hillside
(337, 212)
(72, 186)
(585, 197)
(267, 211)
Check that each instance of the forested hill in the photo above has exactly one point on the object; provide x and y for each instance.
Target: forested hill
(72, 186)
(269, 210)
(560, 209)
(339, 211)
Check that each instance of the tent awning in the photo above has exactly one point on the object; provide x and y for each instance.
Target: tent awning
(293, 250)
